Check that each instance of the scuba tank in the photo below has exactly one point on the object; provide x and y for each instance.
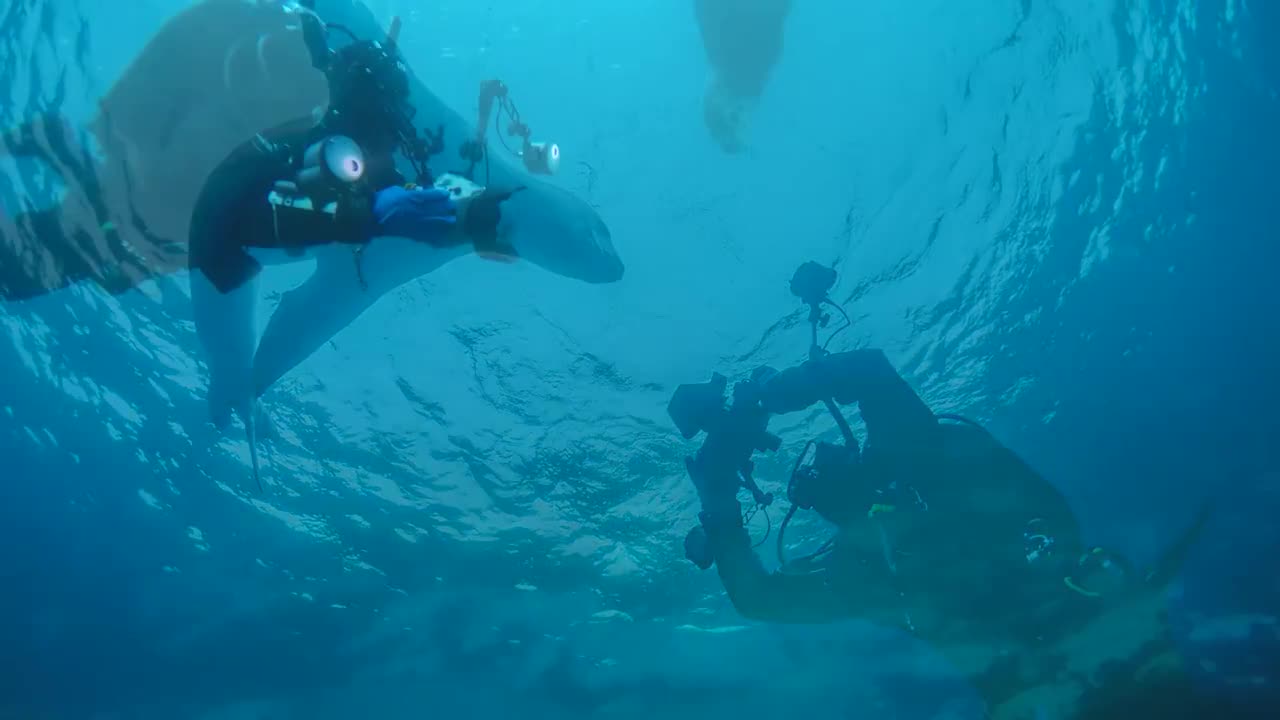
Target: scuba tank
(327, 196)
(331, 169)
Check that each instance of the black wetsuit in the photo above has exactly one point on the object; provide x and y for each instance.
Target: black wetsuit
(950, 565)
(233, 212)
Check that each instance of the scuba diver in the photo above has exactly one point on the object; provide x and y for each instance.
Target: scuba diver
(941, 531)
(327, 188)
(743, 41)
(107, 202)
(313, 187)
(335, 181)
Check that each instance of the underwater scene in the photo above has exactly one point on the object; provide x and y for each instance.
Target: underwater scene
(858, 359)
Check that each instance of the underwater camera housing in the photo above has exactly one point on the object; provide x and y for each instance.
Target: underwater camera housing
(700, 407)
(695, 406)
(812, 282)
(539, 158)
(331, 164)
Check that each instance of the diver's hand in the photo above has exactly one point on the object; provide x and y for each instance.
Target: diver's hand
(419, 213)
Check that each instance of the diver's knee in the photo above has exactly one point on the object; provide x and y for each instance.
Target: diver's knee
(853, 373)
(861, 362)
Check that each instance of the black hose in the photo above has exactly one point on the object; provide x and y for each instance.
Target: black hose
(823, 549)
(791, 483)
(768, 529)
(782, 531)
(845, 431)
(847, 322)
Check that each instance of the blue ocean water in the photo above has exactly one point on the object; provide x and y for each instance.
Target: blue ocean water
(1054, 217)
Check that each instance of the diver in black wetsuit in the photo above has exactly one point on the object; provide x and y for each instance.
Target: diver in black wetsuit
(942, 532)
(307, 184)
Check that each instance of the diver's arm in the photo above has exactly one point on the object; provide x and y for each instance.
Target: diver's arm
(436, 217)
(895, 415)
(761, 595)
(427, 215)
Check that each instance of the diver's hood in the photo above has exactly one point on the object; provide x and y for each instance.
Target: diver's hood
(369, 95)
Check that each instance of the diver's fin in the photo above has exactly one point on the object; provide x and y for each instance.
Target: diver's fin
(1170, 564)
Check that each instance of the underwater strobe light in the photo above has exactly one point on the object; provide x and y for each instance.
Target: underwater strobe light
(335, 161)
(540, 158)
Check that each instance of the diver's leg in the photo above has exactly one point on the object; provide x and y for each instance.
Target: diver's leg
(895, 415)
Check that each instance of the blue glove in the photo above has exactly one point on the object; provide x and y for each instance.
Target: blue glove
(423, 214)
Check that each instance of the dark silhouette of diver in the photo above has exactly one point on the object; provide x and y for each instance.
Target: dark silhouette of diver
(942, 532)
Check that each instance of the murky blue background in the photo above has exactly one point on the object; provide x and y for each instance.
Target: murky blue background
(1056, 217)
